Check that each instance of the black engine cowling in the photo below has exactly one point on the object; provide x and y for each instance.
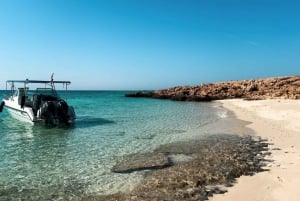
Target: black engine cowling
(62, 110)
(48, 112)
(55, 112)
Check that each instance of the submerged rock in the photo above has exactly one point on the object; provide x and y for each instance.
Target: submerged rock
(138, 162)
(219, 160)
(215, 164)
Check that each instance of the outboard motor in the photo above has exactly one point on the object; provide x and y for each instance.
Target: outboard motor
(55, 112)
(49, 112)
(71, 114)
(62, 111)
(36, 103)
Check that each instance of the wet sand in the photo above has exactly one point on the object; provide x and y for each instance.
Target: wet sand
(279, 122)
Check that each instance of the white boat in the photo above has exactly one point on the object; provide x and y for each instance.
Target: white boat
(42, 105)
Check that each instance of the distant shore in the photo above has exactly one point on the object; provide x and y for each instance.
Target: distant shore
(278, 121)
(287, 87)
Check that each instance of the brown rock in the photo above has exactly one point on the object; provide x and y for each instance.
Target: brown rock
(278, 87)
(138, 162)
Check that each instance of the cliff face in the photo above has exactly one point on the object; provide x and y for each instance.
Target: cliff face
(279, 87)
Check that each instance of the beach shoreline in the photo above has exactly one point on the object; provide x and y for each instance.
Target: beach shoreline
(276, 120)
(212, 166)
(276, 160)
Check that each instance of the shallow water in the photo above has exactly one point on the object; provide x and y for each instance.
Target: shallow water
(42, 162)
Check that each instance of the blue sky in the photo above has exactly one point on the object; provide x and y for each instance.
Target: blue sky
(148, 44)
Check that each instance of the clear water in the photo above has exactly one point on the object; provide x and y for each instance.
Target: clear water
(40, 162)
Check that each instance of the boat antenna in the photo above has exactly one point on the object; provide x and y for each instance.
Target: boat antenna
(52, 85)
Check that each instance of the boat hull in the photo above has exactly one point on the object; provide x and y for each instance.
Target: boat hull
(26, 114)
(21, 115)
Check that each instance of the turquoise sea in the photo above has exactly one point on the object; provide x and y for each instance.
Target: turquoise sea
(39, 162)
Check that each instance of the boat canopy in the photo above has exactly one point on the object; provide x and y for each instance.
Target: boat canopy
(46, 82)
(39, 81)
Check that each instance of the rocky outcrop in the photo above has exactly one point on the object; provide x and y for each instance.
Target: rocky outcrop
(268, 88)
(140, 94)
(138, 162)
(217, 161)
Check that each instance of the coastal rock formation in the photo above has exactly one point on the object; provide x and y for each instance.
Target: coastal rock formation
(140, 94)
(137, 162)
(268, 88)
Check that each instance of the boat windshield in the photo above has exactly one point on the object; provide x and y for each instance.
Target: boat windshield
(20, 91)
(16, 93)
(45, 91)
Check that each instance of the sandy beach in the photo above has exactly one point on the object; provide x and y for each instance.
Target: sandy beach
(277, 121)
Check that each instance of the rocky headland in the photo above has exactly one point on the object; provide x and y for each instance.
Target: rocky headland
(258, 89)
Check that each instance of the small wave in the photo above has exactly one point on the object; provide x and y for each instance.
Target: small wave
(222, 114)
